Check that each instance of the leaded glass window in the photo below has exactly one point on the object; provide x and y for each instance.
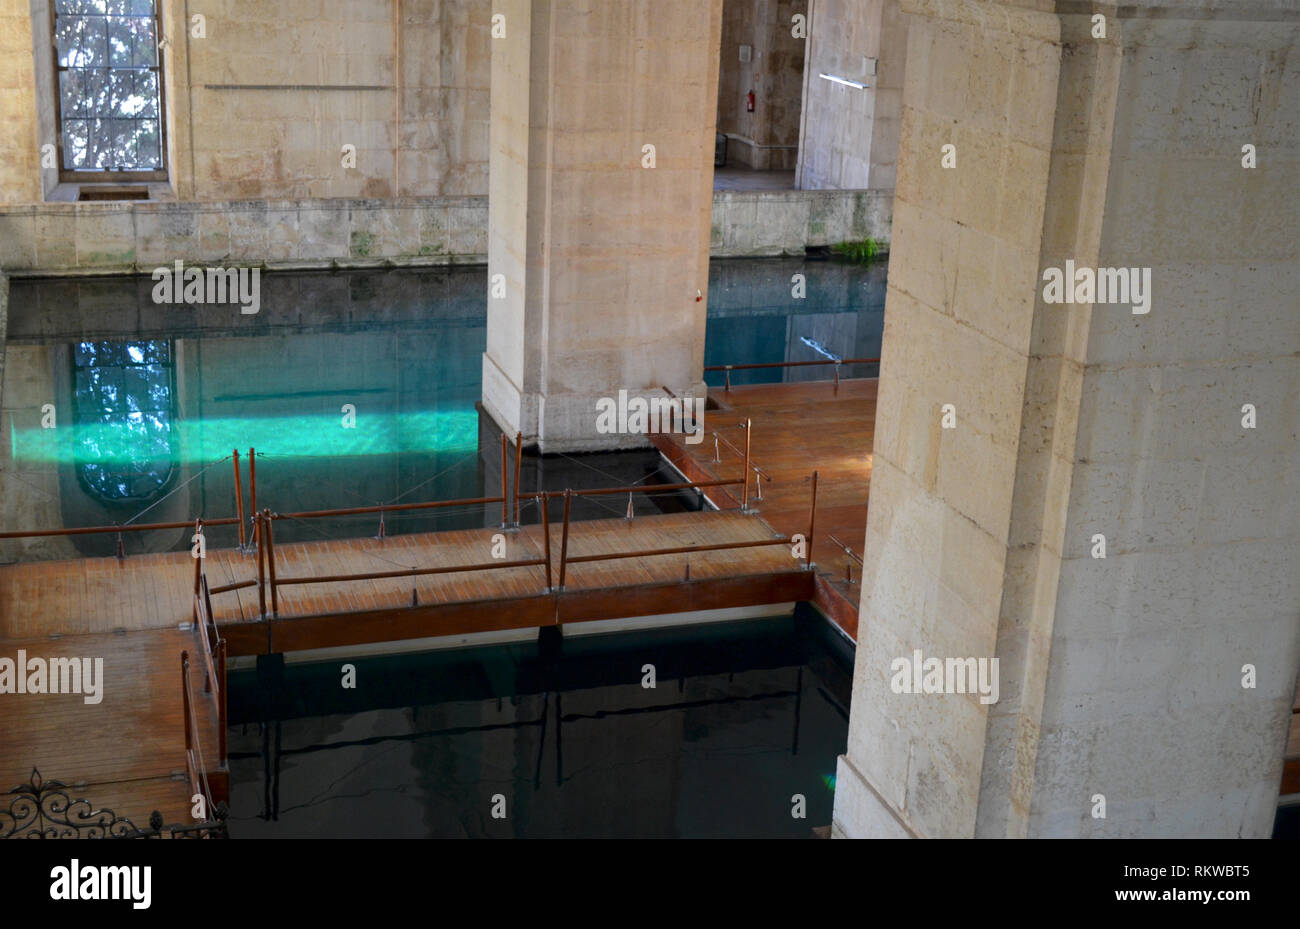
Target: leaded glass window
(109, 85)
(124, 408)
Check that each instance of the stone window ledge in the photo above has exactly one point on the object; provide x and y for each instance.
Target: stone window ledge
(70, 191)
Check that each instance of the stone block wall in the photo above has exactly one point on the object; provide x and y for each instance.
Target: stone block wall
(262, 105)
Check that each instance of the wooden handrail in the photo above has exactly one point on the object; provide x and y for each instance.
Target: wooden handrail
(267, 572)
(214, 660)
(125, 527)
(792, 364)
(391, 508)
(203, 618)
(409, 572)
(679, 550)
(633, 489)
(193, 751)
(226, 588)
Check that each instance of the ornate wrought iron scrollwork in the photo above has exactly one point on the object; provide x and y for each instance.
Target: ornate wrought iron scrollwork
(42, 809)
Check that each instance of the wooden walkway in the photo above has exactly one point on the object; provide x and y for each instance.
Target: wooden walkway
(127, 752)
(98, 595)
(798, 427)
(340, 613)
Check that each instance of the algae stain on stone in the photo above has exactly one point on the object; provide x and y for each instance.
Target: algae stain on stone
(362, 243)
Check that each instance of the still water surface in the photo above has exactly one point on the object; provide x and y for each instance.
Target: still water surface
(743, 717)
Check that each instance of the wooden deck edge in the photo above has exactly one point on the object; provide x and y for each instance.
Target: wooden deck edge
(677, 456)
(1290, 777)
(219, 783)
(305, 633)
(683, 596)
(831, 601)
(362, 627)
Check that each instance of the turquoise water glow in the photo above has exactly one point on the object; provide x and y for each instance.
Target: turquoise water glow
(200, 441)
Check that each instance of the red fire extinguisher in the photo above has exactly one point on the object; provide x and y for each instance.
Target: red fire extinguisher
(749, 102)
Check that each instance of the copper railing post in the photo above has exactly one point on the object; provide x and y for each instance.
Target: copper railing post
(744, 502)
(564, 536)
(812, 523)
(221, 698)
(198, 565)
(258, 536)
(505, 503)
(519, 454)
(252, 485)
(207, 604)
(546, 535)
(239, 501)
(185, 698)
(270, 560)
(209, 648)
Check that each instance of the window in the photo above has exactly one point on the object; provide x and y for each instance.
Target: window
(123, 408)
(108, 80)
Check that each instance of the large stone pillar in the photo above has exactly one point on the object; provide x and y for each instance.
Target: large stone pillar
(602, 259)
(849, 135)
(1122, 678)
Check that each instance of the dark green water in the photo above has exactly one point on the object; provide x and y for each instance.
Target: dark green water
(566, 742)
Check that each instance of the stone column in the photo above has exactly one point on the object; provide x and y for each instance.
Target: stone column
(1152, 685)
(20, 141)
(600, 261)
(849, 136)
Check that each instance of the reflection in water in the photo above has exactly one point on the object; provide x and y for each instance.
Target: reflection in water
(162, 395)
(743, 717)
(755, 317)
(122, 399)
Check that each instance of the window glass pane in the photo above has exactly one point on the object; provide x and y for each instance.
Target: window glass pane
(121, 94)
(145, 92)
(82, 41)
(73, 94)
(81, 6)
(109, 90)
(144, 50)
(130, 42)
(75, 135)
(148, 144)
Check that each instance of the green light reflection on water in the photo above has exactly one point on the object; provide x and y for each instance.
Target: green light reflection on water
(193, 441)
